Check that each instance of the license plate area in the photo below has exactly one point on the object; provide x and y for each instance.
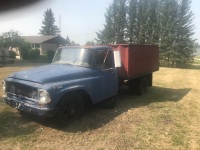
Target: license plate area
(15, 104)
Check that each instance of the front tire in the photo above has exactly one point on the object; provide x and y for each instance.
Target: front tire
(71, 107)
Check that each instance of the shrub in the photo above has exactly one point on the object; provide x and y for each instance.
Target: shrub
(43, 58)
(34, 54)
(50, 55)
(12, 54)
(24, 50)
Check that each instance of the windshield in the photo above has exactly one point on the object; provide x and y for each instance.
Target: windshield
(74, 56)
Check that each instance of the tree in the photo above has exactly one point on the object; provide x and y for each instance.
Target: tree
(142, 21)
(132, 21)
(48, 27)
(167, 23)
(10, 39)
(90, 43)
(185, 43)
(167, 35)
(114, 28)
(107, 35)
(68, 42)
(119, 17)
(74, 44)
(176, 42)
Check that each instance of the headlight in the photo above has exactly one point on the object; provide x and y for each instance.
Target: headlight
(44, 97)
(4, 87)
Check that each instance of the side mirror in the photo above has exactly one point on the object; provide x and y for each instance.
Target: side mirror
(117, 58)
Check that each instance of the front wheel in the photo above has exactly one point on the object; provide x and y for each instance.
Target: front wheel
(71, 107)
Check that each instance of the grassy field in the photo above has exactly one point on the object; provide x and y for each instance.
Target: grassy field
(167, 117)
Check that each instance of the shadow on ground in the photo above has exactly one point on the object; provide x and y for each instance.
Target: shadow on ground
(94, 117)
(13, 125)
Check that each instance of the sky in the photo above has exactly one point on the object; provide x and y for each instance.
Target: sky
(78, 19)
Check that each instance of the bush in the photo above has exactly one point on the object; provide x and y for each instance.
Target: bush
(50, 55)
(12, 54)
(43, 58)
(24, 50)
(34, 54)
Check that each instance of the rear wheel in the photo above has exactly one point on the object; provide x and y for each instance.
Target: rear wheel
(133, 86)
(71, 107)
(142, 86)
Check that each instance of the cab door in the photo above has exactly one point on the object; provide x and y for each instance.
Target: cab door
(108, 74)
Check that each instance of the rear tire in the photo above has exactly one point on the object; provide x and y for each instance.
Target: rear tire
(142, 86)
(133, 86)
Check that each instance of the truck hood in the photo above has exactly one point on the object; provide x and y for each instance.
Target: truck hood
(53, 73)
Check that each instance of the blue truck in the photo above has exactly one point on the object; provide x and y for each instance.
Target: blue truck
(78, 75)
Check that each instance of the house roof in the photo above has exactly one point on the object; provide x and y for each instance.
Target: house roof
(38, 39)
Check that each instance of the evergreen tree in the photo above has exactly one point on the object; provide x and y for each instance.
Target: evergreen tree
(48, 27)
(153, 28)
(107, 35)
(90, 43)
(114, 28)
(119, 19)
(68, 42)
(176, 42)
(131, 35)
(142, 22)
(167, 23)
(185, 44)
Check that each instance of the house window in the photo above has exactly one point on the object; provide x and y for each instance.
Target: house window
(35, 46)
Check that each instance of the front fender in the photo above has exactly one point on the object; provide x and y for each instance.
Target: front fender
(58, 90)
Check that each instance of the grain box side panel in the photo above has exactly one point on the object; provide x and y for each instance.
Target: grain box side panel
(143, 59)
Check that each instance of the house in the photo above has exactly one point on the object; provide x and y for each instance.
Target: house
(44, 43)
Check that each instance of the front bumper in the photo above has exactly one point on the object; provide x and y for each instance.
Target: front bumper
(29, 108)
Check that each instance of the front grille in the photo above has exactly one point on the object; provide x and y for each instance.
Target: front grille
(21, 90)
